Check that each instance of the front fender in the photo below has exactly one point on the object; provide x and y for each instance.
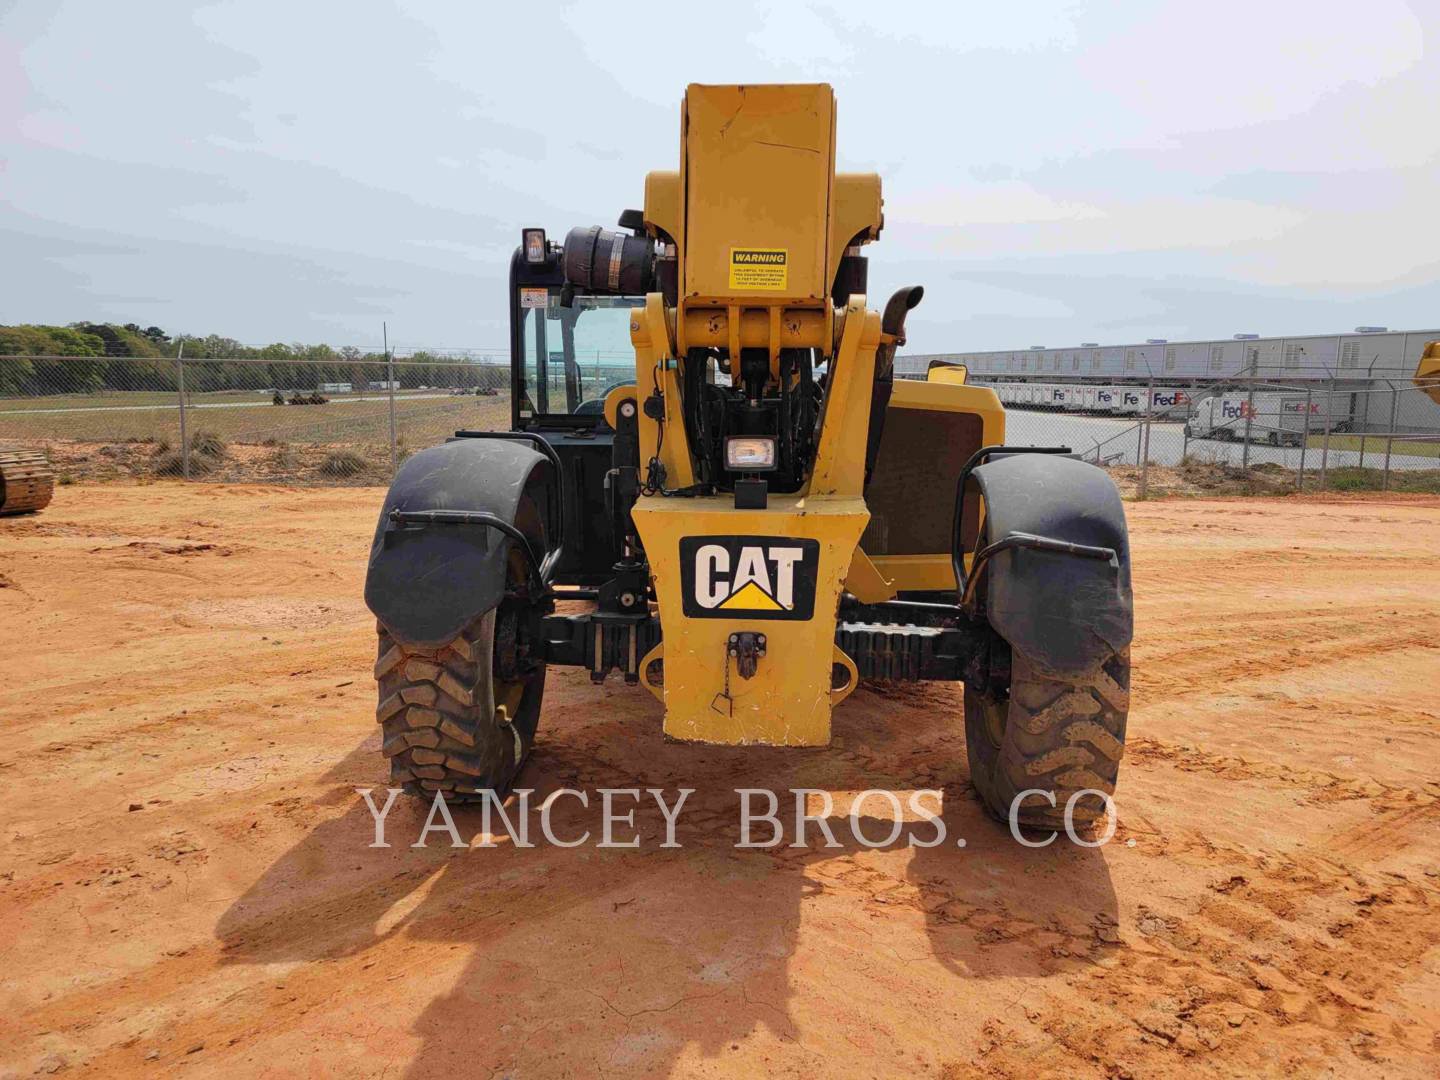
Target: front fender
(427, 583)
(1065, 613)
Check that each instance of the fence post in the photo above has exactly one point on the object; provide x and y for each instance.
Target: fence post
(1329, 411)
(1364, 427)
(1390, 435)
(1145, 428)
(390, 384)
(180, 392)
(1305, 444)
(1249, 416)
(1185, 434)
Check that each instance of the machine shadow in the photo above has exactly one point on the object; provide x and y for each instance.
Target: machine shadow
(591, 959)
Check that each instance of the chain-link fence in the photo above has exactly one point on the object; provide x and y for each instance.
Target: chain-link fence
(353, 421)
(1242, 434)
(243, 420)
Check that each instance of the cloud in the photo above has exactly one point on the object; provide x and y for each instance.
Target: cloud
(1053, 171)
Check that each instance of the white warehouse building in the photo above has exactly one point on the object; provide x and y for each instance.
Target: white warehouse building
(1368, 359)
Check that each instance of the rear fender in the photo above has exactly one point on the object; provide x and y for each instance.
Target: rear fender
(427, 582)
(1064, 612)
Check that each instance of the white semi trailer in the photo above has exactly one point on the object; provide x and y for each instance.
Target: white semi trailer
(1279, 418)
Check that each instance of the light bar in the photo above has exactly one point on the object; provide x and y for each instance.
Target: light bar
(750, 453)
(536, 250)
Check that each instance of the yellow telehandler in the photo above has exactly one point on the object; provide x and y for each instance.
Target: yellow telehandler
(710, 452)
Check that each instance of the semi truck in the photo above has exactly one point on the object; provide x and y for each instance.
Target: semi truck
(1277, 417)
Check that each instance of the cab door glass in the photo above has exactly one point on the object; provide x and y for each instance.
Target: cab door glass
(573, 356)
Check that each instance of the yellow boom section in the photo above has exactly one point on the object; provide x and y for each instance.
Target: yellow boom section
(1427, 375)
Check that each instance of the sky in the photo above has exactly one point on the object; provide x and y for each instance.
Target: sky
(1054, 172)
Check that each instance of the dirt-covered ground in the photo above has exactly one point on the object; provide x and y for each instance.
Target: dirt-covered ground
(186, 886)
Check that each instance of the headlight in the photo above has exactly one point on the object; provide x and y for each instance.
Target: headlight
(750, 454)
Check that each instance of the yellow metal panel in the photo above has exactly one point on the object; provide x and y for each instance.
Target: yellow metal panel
(662, 203)
(758, 165)
(655, 369)
(865, 581)
(799, 329)
(855, 211)
(788, 700)
(918, 573)
(839, 467)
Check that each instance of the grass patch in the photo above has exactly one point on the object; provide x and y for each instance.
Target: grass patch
(1410, 481)
(1375, 444)
(172, 463)
(343, 463)
(207, 450)
(207, 443)
(284, 457)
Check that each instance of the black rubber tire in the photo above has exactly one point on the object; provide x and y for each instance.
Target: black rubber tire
(1059, 736)
(449, 724)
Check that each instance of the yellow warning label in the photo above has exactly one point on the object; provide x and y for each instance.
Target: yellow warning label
(751, 598)
(759, 269)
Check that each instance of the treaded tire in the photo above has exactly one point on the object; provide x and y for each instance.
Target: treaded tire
(1059, 736)
(449, 724)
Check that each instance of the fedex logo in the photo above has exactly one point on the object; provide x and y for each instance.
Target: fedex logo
(1167, 399)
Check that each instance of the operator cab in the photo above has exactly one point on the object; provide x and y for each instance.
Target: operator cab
(568, 349)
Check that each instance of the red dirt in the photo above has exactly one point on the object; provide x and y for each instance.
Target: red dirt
(186, 883)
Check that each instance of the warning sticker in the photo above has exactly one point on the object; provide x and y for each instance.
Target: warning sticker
(759, 269)
(534, 298)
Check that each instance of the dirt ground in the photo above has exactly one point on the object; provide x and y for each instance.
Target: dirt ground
(186, 886)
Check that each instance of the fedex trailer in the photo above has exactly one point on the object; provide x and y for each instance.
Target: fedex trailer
(1165, 400)
(1274, 417)
(1133, 400)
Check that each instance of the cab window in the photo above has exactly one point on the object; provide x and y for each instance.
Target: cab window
(572, 356)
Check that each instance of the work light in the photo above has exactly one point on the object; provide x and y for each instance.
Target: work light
(750, 454)
(536, 250)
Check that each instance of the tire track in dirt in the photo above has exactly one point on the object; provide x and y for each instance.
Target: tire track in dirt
(261, 927)
(1230, 655)
(1320, 786)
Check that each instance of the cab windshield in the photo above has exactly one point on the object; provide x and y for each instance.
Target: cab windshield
(572, 356)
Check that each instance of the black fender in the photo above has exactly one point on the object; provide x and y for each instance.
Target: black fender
(427, 582)
(1064, 612)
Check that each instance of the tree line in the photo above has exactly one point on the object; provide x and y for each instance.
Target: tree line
(106, 356)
